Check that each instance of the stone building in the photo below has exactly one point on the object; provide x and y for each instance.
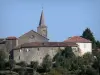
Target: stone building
(34, 45)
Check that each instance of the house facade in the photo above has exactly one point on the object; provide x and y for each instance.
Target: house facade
(83, 44)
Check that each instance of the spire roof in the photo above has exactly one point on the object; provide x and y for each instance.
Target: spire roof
(42, 22)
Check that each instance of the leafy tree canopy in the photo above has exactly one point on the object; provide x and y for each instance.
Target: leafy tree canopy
(3, 59)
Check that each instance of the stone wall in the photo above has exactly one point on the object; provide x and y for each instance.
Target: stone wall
(10, 44)
(2, 47)
(36, 54)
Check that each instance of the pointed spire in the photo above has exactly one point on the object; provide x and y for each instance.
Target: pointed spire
(42, 22)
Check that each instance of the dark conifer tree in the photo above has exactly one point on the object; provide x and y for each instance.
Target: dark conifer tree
(87, 34)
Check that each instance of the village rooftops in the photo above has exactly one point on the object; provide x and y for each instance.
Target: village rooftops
(46, 44)
(77, 39)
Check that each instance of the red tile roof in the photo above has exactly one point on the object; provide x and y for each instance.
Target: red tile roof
(46, 44)
(77, 39)
(11, 38)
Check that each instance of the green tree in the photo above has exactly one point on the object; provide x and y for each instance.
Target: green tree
(67, 52)
(88, 59)
(73, 64)
(34, 65)
(11, 65)
(58, 71)
(23, 68)
(64, 57)
(98, 44)
(47, 63)
(87, 34)
(3, 57)
(96, 64)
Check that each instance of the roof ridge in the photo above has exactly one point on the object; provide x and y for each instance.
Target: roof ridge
(77, 39)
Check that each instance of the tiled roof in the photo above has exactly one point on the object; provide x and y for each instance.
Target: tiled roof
(11, 38)
(46, 44)
(77, 39)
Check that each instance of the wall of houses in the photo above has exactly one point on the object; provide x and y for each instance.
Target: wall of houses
(76, 51)
(34, 54)
(85, 47)
(37, 53)
(2, 47)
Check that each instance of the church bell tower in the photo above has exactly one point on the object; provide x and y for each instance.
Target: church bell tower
(42, 28)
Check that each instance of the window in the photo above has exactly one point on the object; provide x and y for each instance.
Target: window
(19, 57)
(42, 43)
(20, 50)
(75, 49)
(44, 30)
(27, 50)
(38, 49)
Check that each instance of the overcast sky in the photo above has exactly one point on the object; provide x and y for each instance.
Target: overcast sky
(64, 18)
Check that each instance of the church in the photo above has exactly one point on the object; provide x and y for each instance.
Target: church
(35, 45)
